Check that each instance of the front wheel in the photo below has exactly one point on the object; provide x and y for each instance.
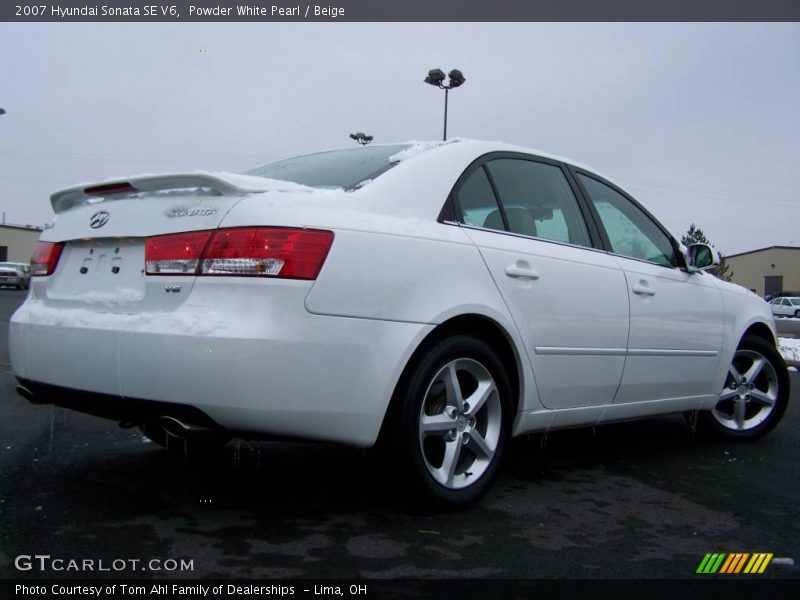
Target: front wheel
(755, 395)
(452, 422)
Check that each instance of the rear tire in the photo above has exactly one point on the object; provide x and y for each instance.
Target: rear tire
(450, 423)
(755, 395)
(797, 314)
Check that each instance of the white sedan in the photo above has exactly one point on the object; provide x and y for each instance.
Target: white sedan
(785, 307)
(15, 274)
(427, 299)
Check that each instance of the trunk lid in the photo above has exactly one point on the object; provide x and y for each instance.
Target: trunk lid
(104, 227)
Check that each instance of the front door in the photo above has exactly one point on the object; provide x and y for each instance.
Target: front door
(676, 317)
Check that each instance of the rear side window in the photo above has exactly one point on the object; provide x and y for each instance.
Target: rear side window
(334, 169)
(538, 201)
(630, 230)
(478, 204)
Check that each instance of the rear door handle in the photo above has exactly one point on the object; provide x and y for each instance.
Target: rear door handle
(521, 270)
(643, 290)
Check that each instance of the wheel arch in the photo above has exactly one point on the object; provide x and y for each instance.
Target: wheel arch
(482, 326)
(755, 327)
(762, 330)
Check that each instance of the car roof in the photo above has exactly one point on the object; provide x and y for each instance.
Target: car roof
(418, 184)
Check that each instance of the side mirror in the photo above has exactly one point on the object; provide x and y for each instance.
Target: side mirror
(701, 257)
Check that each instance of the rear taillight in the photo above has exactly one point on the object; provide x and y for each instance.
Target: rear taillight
(267, 251)
(243, 252)
(45, 258)
(175, 254)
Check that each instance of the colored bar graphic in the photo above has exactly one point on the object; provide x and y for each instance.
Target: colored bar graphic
(740, 563)
(730, 564)
(734, 563)
(766, 562)
(703, 563)
(758, 563)
(754, 563)
(717, 563)
(711, 562)
(727, 564)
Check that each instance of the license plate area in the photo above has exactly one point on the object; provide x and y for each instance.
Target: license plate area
(101, 270)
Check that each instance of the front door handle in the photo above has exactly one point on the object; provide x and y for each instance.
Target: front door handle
(521, 270)
(643, 290)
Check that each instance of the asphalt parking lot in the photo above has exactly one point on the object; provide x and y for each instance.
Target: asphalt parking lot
(635, 500)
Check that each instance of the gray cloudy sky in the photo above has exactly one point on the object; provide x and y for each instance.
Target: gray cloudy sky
(699, 121)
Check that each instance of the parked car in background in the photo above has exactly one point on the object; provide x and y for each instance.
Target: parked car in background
(15, 274)
(426, 299)
(787, 306)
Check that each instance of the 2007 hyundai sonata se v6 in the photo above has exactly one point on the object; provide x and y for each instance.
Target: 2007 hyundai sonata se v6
(431, 299)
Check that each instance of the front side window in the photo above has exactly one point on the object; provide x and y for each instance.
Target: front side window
(630, 231)
(538, 201)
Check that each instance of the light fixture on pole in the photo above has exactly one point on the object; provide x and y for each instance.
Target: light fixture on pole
(361, 138)
(436, 77)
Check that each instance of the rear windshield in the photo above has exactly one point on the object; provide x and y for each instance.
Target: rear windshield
(335, 169)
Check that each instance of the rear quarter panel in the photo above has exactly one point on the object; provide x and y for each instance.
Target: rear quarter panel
(372, 275)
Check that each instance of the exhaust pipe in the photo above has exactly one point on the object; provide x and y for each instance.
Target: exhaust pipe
(29, 395)
(181, 430)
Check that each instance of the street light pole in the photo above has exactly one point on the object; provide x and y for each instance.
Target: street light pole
(444, 135)
(436, 77)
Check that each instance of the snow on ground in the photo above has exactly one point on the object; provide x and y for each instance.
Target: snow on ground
(790, 349)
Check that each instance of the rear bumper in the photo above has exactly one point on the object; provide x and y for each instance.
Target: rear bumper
(262, 365)
(107, 406)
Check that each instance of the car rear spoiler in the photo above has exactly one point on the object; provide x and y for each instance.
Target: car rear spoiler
(226, 184)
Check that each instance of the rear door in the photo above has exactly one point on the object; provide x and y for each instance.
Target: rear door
(568, 300)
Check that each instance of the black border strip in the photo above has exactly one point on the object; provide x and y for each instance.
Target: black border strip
(733, 587)
(403, 10)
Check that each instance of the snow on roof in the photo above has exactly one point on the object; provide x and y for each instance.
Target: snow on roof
(416, 148)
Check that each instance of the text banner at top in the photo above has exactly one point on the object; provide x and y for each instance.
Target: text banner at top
(401, 10)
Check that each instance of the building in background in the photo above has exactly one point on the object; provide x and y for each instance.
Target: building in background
(17, 242)
(767, 271)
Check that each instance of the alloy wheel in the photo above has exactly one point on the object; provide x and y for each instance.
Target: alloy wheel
(460, 423)
(750, 394)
